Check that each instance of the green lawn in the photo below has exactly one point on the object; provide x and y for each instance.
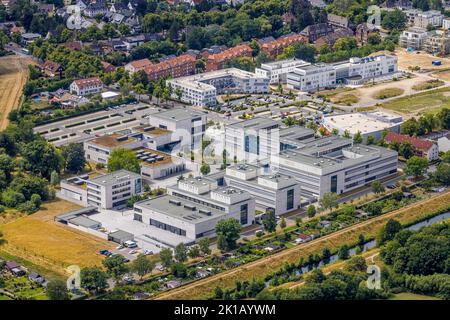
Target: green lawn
(2, 297)
(388, 93)
(430, 101)
(412, 296)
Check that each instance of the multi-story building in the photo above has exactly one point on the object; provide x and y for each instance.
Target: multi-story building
(187, 126)
(277, 71)
(94, 8)
(422, 147)
(270, 190)
(315, 31)
(413, 38)
(446, 23)
(217, 61)
(275, 47)
(106, 191)
(202, 89)
(180, 66)
(437, 42)
(137, 65)
(312, 77)
(252, 140)
(422, 19)
(361, 69)
(367, 124)
(87, 86)
(194, 206)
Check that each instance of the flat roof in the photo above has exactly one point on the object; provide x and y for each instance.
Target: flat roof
(178, 114)
(114, 176)
(168, 205)
(254, 123)
(167, 158)
(354, 122)
(84, 222)
(112, 140)
(151, 130)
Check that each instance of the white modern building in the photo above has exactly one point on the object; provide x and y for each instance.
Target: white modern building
(367, 124)
(413, 38)
(312, 77)
(87, 86)
(423, 19)
(361, 69)
(277, 71)
(201, 89)
(271, 190)
(252, 140)
(106, 191)
(187, 126)
(194, 206)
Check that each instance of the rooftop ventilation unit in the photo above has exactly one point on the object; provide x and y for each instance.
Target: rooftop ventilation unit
(175, 202)
(189, 207)
(205, 212)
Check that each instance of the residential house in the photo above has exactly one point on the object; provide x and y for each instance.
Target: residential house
(338, 21)
(52, 69)
(331, 38)
(276, 47)
(180, 66)
(422, 147)
(108, 67)
(94, 8)
(444, 143)
(315, 31)
(87, 86)
(137, 65)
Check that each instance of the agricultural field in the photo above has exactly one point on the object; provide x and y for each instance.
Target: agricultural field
(262, 267)
(40, 240)
(416, 104)
(13, 75)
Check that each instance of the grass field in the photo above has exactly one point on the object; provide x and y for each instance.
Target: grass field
(13, 75)
(204, 288)
(430, 101)
(411, 296)
(51, 245)
(426, 85)
(388, 93)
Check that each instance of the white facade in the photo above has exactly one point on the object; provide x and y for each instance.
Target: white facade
(432, 17)
(277, 71)
(202, 89)
(106, 191)
(444, 143)
(446, 23)
(413, 38)
(84, 87)
(372, 67)
(312, 77)
(194, 207)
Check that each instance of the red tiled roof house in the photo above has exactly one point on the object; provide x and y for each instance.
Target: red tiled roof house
(217, 61)
(181, 66)
(87, 86)
(422, 147)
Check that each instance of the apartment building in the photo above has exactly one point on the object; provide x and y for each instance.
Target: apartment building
(105, 191)
(202, 89)
(194, 206)
(312, 77)
(275, 47)
(315, 31)
(137, 65)
(277, 71)
(187, 126)
(413, 38)
(434, 42)
(87, 86)
(180, 66)
(217, 61)
(422, 19)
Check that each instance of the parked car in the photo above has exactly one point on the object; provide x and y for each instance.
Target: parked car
(148, 252)
(105, 252)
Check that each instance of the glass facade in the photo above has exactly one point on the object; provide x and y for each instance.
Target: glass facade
(333, 184)
(290, 199)
(167, 227)
(244, 214)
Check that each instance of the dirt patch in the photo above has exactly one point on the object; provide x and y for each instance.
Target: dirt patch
(422, 60)
(13, 76)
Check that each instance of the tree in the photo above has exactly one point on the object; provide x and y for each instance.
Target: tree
(394, 20)
(406, 150)
(194, 252)
(2, 241)
(389, 231)
(179, 269)
(329, 200)
(142, 265)
(205, 169)
(54, 178)
(416, 166)
(93, 279)
(343, 252)
(374, 208)
(356, 264)
(122, 158)
(204, 244)
(270, 221)
(180, 252)
(166, 257)
(57, 290)
(228, 232)
(311, 211)
(74, 159)
(41, 158)
(370, 140)
(115, 265)
(326, 255)
(442, 173)
(357, 138)
(377, 187)
(283, 223)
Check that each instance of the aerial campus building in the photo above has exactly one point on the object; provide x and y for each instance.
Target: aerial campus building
(277, 71)
(105, 191)
(320, 165)
(194, 206)
(355, 71)
(201, 89)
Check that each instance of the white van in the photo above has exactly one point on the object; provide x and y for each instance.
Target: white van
(130, 244)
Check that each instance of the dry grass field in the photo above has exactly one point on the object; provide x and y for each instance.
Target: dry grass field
(205, 288)
(422, 60)
(40, 240)
(13, 75)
